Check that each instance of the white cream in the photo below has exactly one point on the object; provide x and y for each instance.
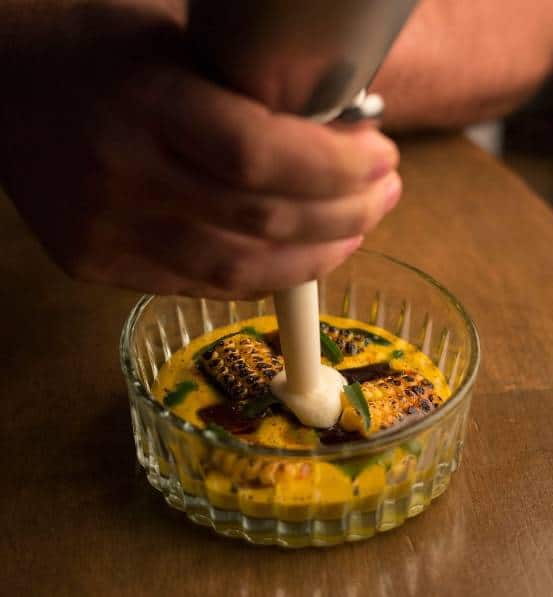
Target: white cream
(310, 390)
(321, 406)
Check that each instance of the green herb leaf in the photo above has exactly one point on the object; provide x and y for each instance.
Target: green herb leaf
(374, 338)
(220, 432)
(413, 447)
(251, 331)
(210, 346)
(397, 354)
(386, 459)
(179, 393)
(355, 395)
(351, 468)
(258, 406)
(302, 436)
(330, 349)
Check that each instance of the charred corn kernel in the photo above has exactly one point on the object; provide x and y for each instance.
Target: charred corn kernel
(254, 470)
(247, 470)
(391, 400)
(349, 341)
(241, 365)
(268, 473)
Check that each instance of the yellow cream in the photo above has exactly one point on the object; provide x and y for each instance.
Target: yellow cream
(279, 431)
(295, 489)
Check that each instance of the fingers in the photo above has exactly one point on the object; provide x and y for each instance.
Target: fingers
(235, 202)
(237, 265)
(152, 254)
(137, 271)
(238, 141)
(281, 219)
(117, 250)
(327, 220)
(168, 188)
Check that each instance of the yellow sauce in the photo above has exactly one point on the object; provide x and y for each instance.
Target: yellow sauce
(278, 431)
(290, 489)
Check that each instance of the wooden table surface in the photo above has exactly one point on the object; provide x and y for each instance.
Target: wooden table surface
(78, 518)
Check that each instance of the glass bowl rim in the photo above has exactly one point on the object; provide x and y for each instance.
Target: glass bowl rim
(378, 443)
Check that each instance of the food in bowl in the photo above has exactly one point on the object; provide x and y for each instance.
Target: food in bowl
(222, 381)
(278, 482)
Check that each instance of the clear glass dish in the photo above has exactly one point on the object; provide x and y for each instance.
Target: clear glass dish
(357, 489)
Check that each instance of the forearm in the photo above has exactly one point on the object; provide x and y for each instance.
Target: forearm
(461, 62)
(456, 62)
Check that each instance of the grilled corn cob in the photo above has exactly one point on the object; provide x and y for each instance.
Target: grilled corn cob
(256, 471)
(391, 400)
(351, 341)
(241, 365)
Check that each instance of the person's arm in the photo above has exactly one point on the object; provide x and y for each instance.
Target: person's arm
(460, 61)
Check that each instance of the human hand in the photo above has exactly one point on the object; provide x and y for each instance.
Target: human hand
(153, 178)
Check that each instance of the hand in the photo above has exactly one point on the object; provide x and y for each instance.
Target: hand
(153, 178)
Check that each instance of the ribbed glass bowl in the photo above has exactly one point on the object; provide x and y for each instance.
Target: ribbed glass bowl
(356, 489)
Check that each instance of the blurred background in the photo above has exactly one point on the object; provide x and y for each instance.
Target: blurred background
(524, 141)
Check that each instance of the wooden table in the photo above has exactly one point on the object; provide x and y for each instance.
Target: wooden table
(78, 518)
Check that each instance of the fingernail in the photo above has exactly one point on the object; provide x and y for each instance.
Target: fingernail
(382, 155)
(381, 167)
(392, 192)
(352, 244)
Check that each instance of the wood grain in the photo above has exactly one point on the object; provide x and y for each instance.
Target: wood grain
(78, 518)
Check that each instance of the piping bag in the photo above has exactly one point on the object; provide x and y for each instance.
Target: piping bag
(313, 58)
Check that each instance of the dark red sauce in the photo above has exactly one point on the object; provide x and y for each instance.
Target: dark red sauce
(337, 435)
(369, 372)
(273, 340)
(228, 416)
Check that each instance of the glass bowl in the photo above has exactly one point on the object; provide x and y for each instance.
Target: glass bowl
(356, 489)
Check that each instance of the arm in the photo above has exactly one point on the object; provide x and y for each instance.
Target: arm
(458, 62)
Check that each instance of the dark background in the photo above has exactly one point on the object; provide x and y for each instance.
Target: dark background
(528, 142)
